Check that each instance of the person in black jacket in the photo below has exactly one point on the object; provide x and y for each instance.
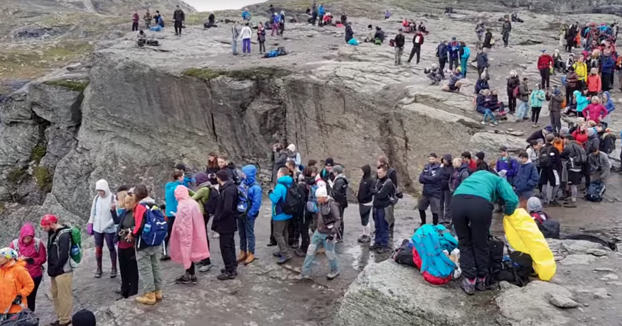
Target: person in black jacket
(349, 32)
(431, 178)
(225, 224)
(384, 198)
(178, 17)
(60, 267)
(487, 41)
(399, 47)
(392, 173)
(340, 194)
(551, 167)
(365, 197)
(447, 170)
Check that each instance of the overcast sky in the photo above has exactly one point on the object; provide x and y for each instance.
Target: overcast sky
(208, 5)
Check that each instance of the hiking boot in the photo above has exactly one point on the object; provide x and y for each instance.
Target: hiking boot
(383, 250)
(242, 256)
(148, 298)
(226, 276)
(375, 246)
(467, 287)
(249, 258)
(193, 280)
(302, 277)
(185, 279)
(300, 253)
(158, 295)
(113, 273)
(364, 239)
(480, 285)
(222, 270)
(165, 258)
(283, 259)
(570, 204)
(555, 203)
(98, 273)
(332, 275)
(205, 268)
(271, 244)
(276, 254)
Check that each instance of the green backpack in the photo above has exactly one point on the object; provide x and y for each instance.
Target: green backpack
(76, 243)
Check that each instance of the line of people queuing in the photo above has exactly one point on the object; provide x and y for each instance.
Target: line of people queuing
(158, 19)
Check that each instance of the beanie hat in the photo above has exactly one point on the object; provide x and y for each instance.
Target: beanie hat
(48, 219)
(338, 169)
(201, 178)
(8, 253)
(83, 318)
(480, 155)
(222, 175)
(180, 167)
(321, 192)
(534, 205)
(329, 162)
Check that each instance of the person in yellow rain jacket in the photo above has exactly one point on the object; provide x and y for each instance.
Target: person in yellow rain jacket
(581, 69)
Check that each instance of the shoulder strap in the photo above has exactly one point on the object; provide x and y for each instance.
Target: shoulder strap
(16, 245)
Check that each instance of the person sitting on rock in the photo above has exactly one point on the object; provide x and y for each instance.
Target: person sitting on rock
(558, 62)
(454, 83)
(210, 21)
(471, 207)
(481, 106)
(482, 83)
(495, 105)
(434, 74)
(422, 28)
(141, 38)
(371, 32)
(387, 14)
(516, 19)
(379, 36)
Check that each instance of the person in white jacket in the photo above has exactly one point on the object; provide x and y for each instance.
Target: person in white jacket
(245, 36)
(102, 226)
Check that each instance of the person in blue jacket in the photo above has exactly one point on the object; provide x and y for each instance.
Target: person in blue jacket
(246, 15)
(321, 12)
(171, 204)
(279, 218)
(607, 64)
(189, 179)
(527, 178)
(432, 180)
(453, 51)
(508, 164)
(246, 224)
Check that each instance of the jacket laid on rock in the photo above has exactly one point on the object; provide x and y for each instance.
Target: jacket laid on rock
(254, 191)
(458, 176)
(384, 192)
(527, 178)
(432, 179)
(328, 211)
(14, 281)
(365, 194)
(225, 218)
(36, 257)
(491, 187)
(447, 170)
(277, 197)
(59, 247)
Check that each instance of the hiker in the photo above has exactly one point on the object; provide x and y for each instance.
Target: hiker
(127, 252)
(245, 36)
(387, 14)
(595, 111)
(135, 20)
(526, 179)
(447, 170)
(147, 256)
(465, 53)
(281, 23)
(480, 162)
(555, 108)
(32, 251)
(479, 31)
(434, 73)
(188, 242)
(471, 207)
(159, 19)
(261, 38)
(246, 15)
(339, 188)
(235, 34)
(141, 38)
(545, 62)
(453, 50)
(581, 100)
(417, 43)
(482, 83)
(275, 24)
(466, 158)
(60, 267)
(594, 83)
(551, 167)
(512, 83)
(101, 226)
(147, 18)
(369, 37)
(599, 165)
(506, 166)
(349, 32)
(488, 41)
(210, 20)
(327, 173)
(535, 101)
(506, 28)
(206, 196)
(454, 83)
(461, 171)
(178, 18)
(399, 47)
(171, 205)
(558, 62)
(431, 178)
(379, 36)
(84, 318)
(482, 107)
(384, 192)
(482, 61)
(212, 168)
(246, 222)
(328, 220)
(15, 282)
(392, 173)
(580, 134)
(365, 197)
(279, 157)
(581, 69)
(311, 183)
(607, 102)
(280, 218)
(523, 97)
(442, 51)
(321, 12)
(225, 224)
(572, 84)
(575, 158)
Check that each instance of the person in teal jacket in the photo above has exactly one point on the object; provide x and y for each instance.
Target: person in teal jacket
(465, 53)
(582, 101)
(471, 210)
(280, 220)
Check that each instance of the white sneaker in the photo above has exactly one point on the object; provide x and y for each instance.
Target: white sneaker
(205, 268)
(215, 235)
(484, 122)
(332, 275)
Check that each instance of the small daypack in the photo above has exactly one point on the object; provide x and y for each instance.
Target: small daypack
(404, 254)
(209, 206)
(595, 191)
(545, 157)
(16, 244)
(515, 92)
(244, 204)
(238, 176)
(515, 268)
(293, 200)
(76, 243)
(155, 227)
(312, 203)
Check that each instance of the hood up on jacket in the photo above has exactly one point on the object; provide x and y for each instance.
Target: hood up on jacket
(534, 205)
(27, 231)
(250, 171)
(366, 171)
(201, 179)
(609, 105)
(181, 193)
(103, 185)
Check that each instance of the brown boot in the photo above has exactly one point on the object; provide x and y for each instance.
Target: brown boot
(249, 258)
(158, 295)
(242, 256)
(148, 298)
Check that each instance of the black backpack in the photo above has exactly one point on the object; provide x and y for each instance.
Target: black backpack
(545, 157)
(210, 205)
(294, 200)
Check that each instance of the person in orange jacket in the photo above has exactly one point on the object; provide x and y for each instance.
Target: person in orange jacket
(594, 83)
(15, 282)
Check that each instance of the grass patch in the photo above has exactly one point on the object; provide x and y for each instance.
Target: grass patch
(252, 74)
(32, 62)
(16, 175)
(43, 178)
(74, 85)
(37, 153)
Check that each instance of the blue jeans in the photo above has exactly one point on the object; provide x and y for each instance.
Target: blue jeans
(521, 112)
(246, 229)
(235, 46)
(329, 246)
(488, 113)
(382, 227)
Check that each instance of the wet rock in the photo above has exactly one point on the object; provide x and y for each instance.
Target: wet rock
(609, 277)
(597, 252)
(604, 269)
(578, 260)
(562, 301)
(579, 246)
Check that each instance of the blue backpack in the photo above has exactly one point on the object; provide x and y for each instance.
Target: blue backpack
(155, 228)
(243, 202)
(430, 241)
(312, 204)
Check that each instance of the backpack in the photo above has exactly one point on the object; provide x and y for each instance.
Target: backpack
(516, 91)
(243, 203)
(545, 157)
(550, 228)
(430, 242)
(16, 244)
(581, 158)
(515, 268)
(293, 200)
(155, 227)
(404, 254)
(76, 243)
(209, 206)
(378, 41)
(312, 203)
(238, 176)
(595, 191)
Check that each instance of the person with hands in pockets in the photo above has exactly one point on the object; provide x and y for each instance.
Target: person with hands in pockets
(101, 226)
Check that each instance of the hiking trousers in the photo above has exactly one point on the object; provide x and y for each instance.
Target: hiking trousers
(398, 55)
(227, 251)
(304, 231)
(445, 211)
(62, 296)
(150, 274)
(441, 66)
(453, 63)
(382, 227)
(545, 76)
(329, 245)
(246, 231)
(178, 28)
(415, 50)
(281, 235)
(472, 216)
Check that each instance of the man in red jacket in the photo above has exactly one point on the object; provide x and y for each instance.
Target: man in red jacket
(417, 43)
(545, 62)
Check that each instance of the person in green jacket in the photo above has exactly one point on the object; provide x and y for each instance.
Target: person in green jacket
(471, 210)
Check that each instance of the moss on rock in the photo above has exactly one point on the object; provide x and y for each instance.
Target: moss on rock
(246, 74)
(74, 85)
(43, 178)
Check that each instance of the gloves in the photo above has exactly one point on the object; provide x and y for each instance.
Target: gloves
(399, 195)
(17, 300)
(30, 261)
(89, 228)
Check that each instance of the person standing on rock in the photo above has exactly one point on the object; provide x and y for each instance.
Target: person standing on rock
(555, 108)
(384, 197)
(442, 50)
(527, 178)
(482, 62)
(454, 53)
(101, 226)
(465, 54)
(349, 32)
(479, 31)
(417, 43)
(535, 101)
(279, 217)
(171, 205)
(400, 41)
(523, 98)
(392, 173)
(16, 284)
(471, 207)
(275, 24)
(261, 38)
(606, 69)
(545, 62)
(576, 158)
(314, 11)
(225, 224)
(488, 41)
(365, 198)
(431, 178)
(235, 34)
(126, 244)
(178, 19)
(340, 190)
(512, 84)
(33, 252)
(447, 170)
(245, 37)
(321, 12)
(551, 166)
(246, 222)
(147, 18)
(60, 267)
(135, 20)
(580, 67)
(507, 166)
(505, 31)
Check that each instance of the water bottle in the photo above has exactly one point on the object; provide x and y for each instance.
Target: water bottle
(147, 228)
(75, 250)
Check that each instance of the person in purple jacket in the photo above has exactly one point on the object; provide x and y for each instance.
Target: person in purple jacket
(507, 168)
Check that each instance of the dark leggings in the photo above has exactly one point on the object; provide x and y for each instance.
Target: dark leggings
(191, 270)
(129, 272)
(511, 101)
(535, 114)
(33, 295)
(99, 244)
(262, 47)
(304, 230)
(472, 216)
(170, 220)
